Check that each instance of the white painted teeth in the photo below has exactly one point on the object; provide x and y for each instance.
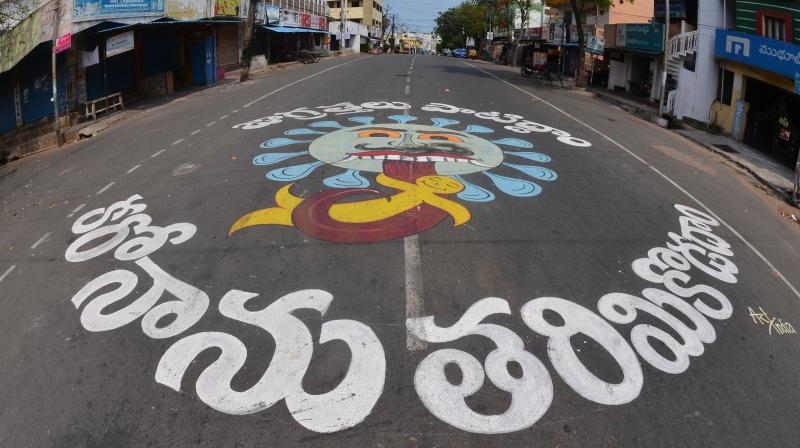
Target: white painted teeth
(413, 159)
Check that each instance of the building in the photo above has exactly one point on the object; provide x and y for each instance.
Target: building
(756, 96)
(353, 37)
(135, 49)
(692, 69)
(628, 65)
(368, 13)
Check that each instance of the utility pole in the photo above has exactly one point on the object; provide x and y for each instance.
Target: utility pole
(666, 59)
(247, 45)
(343, 18)
(391, 38)
(56, 20)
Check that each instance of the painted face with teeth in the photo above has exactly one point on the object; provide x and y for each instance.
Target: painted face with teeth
(379, 146)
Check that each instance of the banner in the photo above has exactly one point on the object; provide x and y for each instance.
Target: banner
(226, 8)
(646, 36)
(105, 9)
(305, 20)
(273, 14)
(119, 44)
(187, 9)
(63, 43)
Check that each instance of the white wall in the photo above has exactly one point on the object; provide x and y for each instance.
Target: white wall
(697, 90)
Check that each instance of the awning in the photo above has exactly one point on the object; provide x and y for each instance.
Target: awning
(636, 50)
(168, 21)
(292, 29)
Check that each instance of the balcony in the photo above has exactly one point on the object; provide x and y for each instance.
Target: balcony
(683, 44)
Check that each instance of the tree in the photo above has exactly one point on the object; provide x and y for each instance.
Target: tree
(457, 24)
(11, 12)
(579, 11)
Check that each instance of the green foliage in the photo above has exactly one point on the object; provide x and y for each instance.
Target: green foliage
(465, 20)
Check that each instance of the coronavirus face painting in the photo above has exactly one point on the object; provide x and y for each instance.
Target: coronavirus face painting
(393, 147)
(421, 169)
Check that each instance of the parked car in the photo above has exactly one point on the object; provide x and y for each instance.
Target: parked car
(446, 52)
(460, 53)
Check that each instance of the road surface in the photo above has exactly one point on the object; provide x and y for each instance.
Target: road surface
(394, 251)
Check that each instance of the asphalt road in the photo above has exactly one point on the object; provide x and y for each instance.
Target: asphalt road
(463, 258)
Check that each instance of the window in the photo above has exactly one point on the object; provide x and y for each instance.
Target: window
(724, 86)
(775, 25)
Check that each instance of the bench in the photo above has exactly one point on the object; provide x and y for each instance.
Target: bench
(104, 104)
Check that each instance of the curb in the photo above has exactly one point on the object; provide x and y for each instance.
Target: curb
(784, 195)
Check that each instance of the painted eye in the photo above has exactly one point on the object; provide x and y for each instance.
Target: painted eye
(442, 137)
(380, 133)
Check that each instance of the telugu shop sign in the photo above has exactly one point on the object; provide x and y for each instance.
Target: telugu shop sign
(767, 54)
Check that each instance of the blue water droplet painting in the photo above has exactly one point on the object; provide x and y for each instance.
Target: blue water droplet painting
(535, 172)
(518, 143)
(326, 124)
(362, 120)
(514, 187)
(443, 122)
(293, 173)
(272, 158)
(278, 142)
(474, 193)
(303, 131)
(402, 119)
(475, 129)
(535, 156)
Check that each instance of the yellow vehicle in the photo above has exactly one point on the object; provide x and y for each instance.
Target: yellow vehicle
(472, 54)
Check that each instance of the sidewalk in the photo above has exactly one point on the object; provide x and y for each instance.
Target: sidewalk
(775, 176)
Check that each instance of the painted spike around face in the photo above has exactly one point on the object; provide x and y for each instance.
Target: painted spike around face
(474, 193)
(281, 141)
(271, 158)
(293, 173)
(514, 187)
(535, 172)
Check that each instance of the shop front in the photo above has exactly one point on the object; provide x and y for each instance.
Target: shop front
(635, 53)
(758, 92)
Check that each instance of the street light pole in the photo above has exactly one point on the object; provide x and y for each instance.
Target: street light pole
(666, 60)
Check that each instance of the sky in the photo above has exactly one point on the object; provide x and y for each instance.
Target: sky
(419, 15)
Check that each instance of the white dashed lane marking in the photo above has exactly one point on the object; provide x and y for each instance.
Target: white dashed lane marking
(8, 271)
(196, 131)
(177, 142)
(105, 188)
(158, 153)
(77, 209)
(134, 168)
(63, 172)
(224, 117)
(211, 124)
(408, 89)
(41, 240)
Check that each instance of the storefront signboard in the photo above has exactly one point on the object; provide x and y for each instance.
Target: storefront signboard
(63, 43)
(767, 54)
(226, 8)
(677, 8)
(644, 36)
(596, 45)
(305, 20)
(273, 14)
(119, 44)
(105, 9)
(588, 31)
(290, 18)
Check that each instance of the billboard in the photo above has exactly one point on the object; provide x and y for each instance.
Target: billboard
(187, 9)
(106, 9)
(226, 8)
